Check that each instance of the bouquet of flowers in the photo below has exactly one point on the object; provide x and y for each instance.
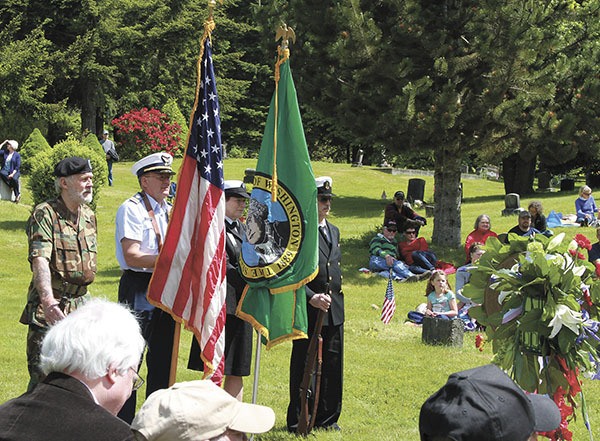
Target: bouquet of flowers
(539, 308)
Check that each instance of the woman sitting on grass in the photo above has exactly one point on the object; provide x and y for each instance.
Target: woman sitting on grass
(441, 302)
(483, 230)
(585, 207)
(538, 220)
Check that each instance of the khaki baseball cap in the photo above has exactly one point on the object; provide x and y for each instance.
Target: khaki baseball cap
(198, 410)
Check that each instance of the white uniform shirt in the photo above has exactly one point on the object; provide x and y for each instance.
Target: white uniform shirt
(133, 222)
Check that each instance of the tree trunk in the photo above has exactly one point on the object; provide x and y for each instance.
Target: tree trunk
(88, 106)
(518, 171)
(446, 223)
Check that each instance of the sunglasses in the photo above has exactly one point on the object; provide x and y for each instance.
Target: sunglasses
(410, 232)
(324, 199)
(393, 230)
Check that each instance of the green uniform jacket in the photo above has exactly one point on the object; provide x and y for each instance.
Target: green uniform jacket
(71, 250)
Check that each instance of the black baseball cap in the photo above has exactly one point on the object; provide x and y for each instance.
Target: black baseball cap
(236, 189)
(390, 223)
(72, 166)
(399, 195)
(485, 404)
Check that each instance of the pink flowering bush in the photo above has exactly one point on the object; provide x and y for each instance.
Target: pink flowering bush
(141, 132)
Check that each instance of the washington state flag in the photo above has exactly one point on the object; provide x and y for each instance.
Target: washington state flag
(280, 251)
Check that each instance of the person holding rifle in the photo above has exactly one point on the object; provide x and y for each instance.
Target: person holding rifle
(325, 301)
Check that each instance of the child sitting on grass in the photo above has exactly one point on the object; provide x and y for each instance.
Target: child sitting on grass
(441, 301)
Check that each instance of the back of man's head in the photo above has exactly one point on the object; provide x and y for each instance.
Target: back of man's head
(97, 335)
(485, 404)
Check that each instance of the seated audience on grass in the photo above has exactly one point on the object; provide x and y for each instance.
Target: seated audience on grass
(585, 207)
(400, 211)
(441, 302)
(415, 251)
(538, 220)
(480, 234)
(463, 274)
(198, 411)
(484, 404)
(383, 250)
(91, 359)
(524, 228)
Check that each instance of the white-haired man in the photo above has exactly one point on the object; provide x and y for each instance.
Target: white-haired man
(91, 359)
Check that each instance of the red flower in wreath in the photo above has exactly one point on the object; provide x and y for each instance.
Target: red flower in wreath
(479, 342)
(583, 242)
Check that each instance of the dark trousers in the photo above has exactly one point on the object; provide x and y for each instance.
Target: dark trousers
(109, 164)
(158, 328)
(13, 183)
(330, 394)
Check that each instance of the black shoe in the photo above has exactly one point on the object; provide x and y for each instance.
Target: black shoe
(335, 427)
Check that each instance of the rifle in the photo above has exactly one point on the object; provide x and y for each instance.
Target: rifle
(314, 361)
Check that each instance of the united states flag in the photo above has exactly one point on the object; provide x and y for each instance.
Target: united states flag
(389, 303)
(189, 277)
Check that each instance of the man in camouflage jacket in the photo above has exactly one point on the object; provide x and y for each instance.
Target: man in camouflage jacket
(62, 253)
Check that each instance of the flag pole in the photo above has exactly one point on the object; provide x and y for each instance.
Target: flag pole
(256, 368)
(175, 354)
(256, 373)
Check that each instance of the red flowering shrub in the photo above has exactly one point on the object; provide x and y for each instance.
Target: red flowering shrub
(145, 131)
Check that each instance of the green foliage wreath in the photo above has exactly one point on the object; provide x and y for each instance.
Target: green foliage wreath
(538, 302)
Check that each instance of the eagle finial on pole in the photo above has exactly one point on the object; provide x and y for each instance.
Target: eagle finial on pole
(285, 33)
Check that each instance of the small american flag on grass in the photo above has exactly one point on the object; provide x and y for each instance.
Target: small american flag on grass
(389, 303)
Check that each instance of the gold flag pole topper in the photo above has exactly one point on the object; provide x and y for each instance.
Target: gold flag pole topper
(283, 33)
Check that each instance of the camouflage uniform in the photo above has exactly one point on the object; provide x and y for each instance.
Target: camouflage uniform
(71, 251)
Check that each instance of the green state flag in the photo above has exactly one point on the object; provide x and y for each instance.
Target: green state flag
(280, 251)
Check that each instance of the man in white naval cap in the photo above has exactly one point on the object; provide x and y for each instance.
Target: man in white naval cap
(141, 225)
(324, 293)
(238, 333)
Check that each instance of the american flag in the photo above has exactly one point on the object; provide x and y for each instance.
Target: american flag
(189, 276)
(389, 303)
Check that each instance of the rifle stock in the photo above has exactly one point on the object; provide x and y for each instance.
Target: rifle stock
(314, 358)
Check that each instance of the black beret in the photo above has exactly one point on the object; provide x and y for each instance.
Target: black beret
(72, 166)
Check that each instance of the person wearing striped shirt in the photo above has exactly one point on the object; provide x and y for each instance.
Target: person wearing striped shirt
(383, 250)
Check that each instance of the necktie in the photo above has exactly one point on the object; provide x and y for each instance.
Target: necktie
(323, 230)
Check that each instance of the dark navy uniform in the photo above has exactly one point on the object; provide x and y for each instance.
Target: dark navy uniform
(330, 398)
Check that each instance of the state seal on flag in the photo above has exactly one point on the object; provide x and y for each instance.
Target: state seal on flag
(274, 231)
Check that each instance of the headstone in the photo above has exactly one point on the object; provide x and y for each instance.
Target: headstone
(543, 180)
(512, 204)
(437, 331)
(567, 184)
(249, 175)
(6, 193)
(416, 190)
(359, 158)
(429, 209)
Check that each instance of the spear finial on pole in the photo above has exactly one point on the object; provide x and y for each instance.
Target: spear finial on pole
(283, 33)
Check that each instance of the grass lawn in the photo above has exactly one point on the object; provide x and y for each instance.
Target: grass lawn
(388, 372)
